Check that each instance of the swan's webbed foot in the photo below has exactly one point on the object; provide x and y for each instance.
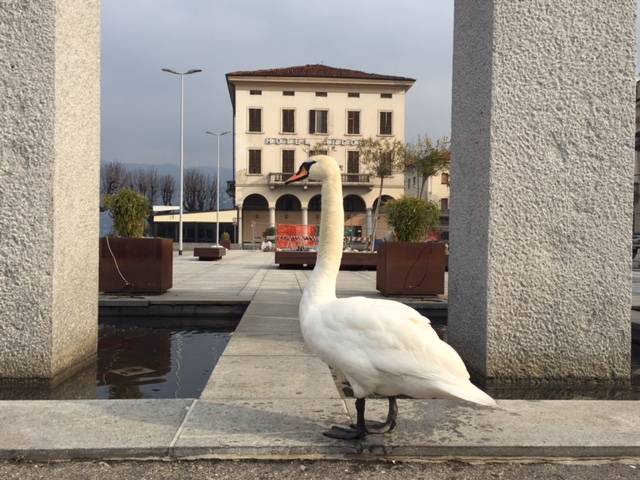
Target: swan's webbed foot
(377, 427)
(388, 425)
(357, 433)
(341, 433)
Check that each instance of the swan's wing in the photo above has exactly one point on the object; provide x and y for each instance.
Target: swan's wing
(392, 337)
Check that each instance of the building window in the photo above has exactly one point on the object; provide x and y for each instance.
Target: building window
(255, 92)
(288, 122)
(288, 93)
(321, 94)
(385, 123)
(444, 179)
(444, 204)
(385, 95)
(353, 122)
(353, 162)
(255, 120)
(288, 162)
(353, 94)
(318, 121)
(415, 181)
(255, 162)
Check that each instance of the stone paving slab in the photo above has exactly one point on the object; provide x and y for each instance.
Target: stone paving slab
(257, 344)
(273, 428)
(273, 309)
(270, 377)
(89, 428)
(520, 428)
(279, 298)
(269, 325)
(261, 428)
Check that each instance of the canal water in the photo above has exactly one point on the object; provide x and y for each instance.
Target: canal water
(136, 362)
(152, 362)
(139, 362)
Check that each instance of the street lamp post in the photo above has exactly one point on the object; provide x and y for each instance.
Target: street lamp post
(217, 135)
(181, 74)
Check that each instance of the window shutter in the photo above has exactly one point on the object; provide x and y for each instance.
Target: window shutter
(323, 122)
(312, 121)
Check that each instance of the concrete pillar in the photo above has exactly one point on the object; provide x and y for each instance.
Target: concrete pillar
(369, 226)
(543, 127)
(272, 216)
(305, 216)
(49, 181)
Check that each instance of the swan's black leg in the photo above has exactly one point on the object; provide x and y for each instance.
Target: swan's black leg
(389, 424)
(360, 430)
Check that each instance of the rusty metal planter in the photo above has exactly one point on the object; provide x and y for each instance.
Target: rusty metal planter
(407, 268)
(146, 263)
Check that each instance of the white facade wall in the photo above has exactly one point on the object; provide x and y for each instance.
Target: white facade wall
(434, 188)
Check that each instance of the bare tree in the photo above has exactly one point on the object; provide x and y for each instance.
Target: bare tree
(167, 188)
(212, 188)
(382, 158)
(153, 181)
(195, 190)
(113, 177)
(139, 182)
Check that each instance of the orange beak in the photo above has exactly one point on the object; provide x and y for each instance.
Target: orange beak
(302, 173)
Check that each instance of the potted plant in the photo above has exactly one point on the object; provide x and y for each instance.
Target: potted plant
(128, 262)
(410, 265)
(226, 240)
(269, 234)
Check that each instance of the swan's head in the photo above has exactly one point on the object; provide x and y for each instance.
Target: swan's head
(317, 168)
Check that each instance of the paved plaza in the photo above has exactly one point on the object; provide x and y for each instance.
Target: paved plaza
(269, 397)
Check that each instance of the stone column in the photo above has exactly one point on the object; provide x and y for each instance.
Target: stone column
(49, 186)
(239, 239)
(272, 216)
(543, 127)
(305, 216)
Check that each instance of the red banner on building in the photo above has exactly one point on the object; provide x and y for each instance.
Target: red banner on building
(296, 237)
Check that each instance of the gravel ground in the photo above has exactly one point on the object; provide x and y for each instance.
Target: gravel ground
(252, 470)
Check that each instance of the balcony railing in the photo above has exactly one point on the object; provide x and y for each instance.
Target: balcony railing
(356, 179)
(352, 179)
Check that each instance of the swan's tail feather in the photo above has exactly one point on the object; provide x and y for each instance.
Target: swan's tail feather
(469, 392)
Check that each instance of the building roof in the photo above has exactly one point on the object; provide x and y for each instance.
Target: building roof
(316, 71)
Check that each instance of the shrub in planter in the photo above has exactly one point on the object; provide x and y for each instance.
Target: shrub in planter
(226, 240)
(411, 266)
(269, 234)
(129, 263)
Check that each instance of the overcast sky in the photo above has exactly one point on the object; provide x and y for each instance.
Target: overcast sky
(140, 104)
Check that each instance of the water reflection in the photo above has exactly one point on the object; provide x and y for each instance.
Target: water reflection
(136, 362)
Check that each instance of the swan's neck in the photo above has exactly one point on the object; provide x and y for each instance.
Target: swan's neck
(322, 283)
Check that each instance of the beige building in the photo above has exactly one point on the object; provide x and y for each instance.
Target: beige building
(436, 189)
(280, 114)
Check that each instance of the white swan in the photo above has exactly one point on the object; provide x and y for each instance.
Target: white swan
(381, 346)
